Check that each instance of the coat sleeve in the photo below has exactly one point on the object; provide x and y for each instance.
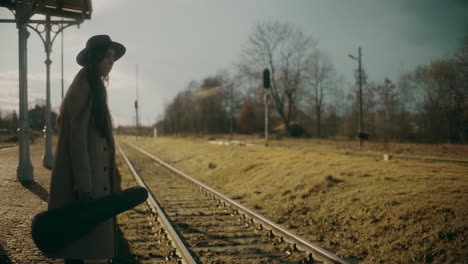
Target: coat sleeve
(79, 112)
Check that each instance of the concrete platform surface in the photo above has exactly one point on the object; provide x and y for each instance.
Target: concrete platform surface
(19, 204)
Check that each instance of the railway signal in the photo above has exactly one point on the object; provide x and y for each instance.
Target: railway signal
(266, 79)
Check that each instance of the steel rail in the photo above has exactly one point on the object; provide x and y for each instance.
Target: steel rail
(174, 237)
(301, 243)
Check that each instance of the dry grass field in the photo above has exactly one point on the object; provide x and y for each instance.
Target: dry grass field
(396, 211)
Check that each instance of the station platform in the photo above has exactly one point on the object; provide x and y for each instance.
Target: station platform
(19, 204)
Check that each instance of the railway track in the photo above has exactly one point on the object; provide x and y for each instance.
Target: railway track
(204, 226)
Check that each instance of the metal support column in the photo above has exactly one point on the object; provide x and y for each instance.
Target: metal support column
(61, 34)
(47, 159)
(24, 171)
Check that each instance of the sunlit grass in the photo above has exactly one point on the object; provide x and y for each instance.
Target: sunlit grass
(393, 210)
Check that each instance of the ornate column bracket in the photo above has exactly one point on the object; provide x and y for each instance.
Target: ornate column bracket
(41, 28)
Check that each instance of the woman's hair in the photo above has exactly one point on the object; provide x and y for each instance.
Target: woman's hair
(98, 93)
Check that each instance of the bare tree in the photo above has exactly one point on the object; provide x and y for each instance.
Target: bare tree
(283, 49)
(179, 116)
(461, 95)
(386, 110)
(321, 77)
(444, 100)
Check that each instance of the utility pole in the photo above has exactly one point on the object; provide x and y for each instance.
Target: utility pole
(360, 126)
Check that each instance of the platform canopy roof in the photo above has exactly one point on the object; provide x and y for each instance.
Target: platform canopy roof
(72, 9)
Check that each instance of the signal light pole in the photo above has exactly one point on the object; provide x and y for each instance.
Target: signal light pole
(266, 86)
(231, 117)
(136, 104)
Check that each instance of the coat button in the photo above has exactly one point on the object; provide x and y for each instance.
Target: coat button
(105, 188)
(105, 168)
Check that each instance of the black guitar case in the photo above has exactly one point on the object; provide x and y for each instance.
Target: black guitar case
(55, 229)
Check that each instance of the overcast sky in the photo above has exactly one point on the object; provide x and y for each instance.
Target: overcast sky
(177, 41)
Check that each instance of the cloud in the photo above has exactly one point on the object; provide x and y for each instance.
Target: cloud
(122, 92)
(13, 76)
(441, 22)
(9, 94)
(104, 6)
(74, 41)
(9, 76)
(120, 79)
(9, 103)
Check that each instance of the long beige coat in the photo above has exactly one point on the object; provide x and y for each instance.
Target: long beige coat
(83, 161)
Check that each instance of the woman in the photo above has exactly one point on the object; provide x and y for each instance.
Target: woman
(85, 155)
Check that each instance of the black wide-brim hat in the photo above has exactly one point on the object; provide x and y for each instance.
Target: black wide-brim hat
(99, 41)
